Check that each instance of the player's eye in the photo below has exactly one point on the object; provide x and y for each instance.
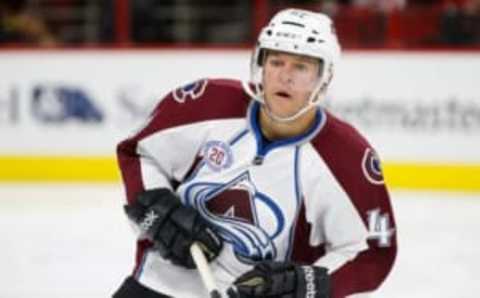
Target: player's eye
(301, 67)
(275, 62)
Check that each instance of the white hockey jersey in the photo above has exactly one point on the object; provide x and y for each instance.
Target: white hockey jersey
(318, 198)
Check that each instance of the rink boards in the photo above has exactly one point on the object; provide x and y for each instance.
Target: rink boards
(63, 112)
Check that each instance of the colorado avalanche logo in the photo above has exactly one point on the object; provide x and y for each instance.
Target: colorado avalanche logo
(190, 91)
(217, 155)
(371, 167)
(234, 209)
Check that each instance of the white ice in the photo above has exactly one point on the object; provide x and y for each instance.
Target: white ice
(72, 241)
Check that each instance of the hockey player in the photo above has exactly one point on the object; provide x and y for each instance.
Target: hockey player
(284, 199)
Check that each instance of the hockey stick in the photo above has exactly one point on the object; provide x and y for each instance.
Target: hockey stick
(204, 270)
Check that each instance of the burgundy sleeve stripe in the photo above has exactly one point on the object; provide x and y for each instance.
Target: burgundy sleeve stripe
(129, 164)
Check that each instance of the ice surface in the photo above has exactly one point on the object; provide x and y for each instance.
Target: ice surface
(73, 241)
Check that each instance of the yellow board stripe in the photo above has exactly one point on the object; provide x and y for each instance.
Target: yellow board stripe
(61, 169)
(429, 176)
(419, 176)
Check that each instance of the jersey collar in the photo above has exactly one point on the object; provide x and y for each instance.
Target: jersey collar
(262, 148)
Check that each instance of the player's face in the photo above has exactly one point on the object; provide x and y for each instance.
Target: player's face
(288, 81)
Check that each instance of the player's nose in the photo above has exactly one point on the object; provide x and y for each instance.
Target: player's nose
(285, 75)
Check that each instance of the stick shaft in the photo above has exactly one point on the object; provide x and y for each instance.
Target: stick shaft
(204, 270)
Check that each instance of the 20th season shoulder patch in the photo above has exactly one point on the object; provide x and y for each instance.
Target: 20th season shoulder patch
(218, 155)
(371, 167)
(190, 91)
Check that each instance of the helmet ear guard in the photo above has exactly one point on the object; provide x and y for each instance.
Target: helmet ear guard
(298, 32)
(262, 54)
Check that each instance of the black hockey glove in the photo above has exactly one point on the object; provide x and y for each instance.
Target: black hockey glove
(173, 227)
(282, 280)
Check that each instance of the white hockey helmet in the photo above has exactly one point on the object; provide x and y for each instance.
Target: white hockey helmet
(299, 32)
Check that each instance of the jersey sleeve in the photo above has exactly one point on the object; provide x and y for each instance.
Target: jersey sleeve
(356, 167)
(165, 149)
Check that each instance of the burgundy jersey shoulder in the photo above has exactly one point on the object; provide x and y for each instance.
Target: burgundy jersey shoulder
(342, 134)
(206, 88)
(201, 100)
(349, 155)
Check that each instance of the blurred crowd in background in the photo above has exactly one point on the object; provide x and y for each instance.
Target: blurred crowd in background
(398, 24)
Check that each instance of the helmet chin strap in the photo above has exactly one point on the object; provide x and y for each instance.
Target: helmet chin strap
(287, 119)
(314, 100)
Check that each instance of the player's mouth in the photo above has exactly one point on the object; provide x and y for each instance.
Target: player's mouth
(283, 94)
